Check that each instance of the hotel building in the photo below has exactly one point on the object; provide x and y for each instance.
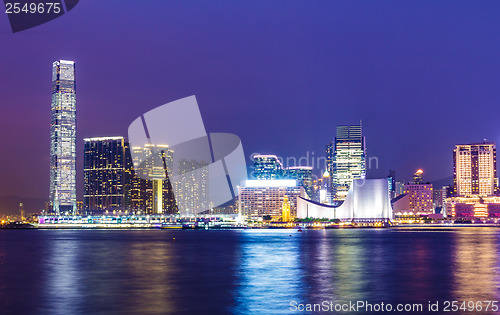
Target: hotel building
(474, 169)
(63, 138)
(416, 200)
(475, 182)
(258, 198)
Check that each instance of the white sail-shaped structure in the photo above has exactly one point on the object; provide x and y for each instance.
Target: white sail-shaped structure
(367, 200)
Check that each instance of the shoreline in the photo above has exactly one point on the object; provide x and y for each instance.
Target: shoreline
(29, 226)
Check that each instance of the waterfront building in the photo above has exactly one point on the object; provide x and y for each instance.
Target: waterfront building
(420, 200)
(416, 201)
(192, 187)
(366, 201)
(151, 191)
(475, 207)
(349, 159)
(475, 184)
(267, 167)
(106, 180)
(63, 138)
(258, 198)
(475, 170)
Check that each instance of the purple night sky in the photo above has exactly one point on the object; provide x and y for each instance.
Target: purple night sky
(421, 75)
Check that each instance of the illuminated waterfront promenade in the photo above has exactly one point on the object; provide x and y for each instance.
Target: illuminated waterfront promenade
(139, 221)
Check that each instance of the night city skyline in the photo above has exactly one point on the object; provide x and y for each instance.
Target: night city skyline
(249, 157)
(420, 82)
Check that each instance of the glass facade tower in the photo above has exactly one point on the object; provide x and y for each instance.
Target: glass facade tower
(267, 167)
(349, 159)
(303, 175)
(63, 138)
(106, 177)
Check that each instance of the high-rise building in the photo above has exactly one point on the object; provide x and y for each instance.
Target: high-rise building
(391, 180)
(330, 155)
(303, 176)
(475, 169)
(63, 138)
(191, 188)
(416, 201)
(475, 182)
(348, 160)
(417, 177)
(258, 198)
(267, 167)
(421, 198)
(106, 176)
(150, 192)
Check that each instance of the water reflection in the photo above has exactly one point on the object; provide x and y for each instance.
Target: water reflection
(476, 265)
(269, 271)
(150, 268)
(138, 272)
(62, 275)
(248, 271)
(393, 265)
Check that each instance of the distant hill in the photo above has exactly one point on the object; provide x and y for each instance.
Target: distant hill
(10, 204)
(448, 181)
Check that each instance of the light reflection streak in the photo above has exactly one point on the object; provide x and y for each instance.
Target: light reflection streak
(476, 266)
(150, 268)
(269, 271)
(63, 277)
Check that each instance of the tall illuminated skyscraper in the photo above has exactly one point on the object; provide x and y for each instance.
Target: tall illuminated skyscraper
(475, 169)
(63, 138)
(349, 159)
